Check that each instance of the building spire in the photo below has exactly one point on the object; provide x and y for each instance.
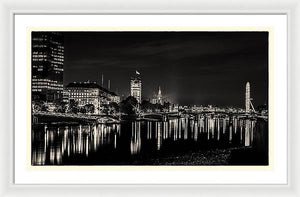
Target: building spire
(159, 90)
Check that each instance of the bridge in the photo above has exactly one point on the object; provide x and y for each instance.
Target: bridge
(158, 115)
(165, 116)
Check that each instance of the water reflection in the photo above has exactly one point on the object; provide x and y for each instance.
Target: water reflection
(135, 142)
(58, 145)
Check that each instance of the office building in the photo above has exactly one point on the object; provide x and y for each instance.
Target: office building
(47, 66)
(85, 93)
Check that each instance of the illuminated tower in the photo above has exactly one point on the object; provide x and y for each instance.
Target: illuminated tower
(159, 96)
(136, 87)
(247, 97)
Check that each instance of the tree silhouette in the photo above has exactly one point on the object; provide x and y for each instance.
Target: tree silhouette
(129, 105)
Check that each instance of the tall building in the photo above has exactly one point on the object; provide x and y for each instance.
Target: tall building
(136, 87)
(247, 98)
(47, 66)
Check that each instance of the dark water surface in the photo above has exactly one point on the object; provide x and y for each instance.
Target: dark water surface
(141, 142)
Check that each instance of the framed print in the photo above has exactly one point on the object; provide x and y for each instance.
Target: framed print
(171, 102)
(159, 98)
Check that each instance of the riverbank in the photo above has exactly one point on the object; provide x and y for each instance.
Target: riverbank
(65, 118)
(229, 156)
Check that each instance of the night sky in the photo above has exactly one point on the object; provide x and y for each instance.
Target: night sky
(192, 68)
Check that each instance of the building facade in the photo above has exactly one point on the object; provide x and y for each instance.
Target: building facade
(136, 87)
(85, 93)
(47, 66)
(113, 97)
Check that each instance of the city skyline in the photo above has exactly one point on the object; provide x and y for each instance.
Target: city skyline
(191, 94)
(192, 68)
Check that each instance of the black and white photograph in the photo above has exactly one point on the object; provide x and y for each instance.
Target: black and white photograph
(150, 98)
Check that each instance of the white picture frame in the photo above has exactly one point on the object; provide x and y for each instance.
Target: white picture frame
(9, 9)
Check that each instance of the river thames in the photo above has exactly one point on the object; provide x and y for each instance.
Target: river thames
(189, 140)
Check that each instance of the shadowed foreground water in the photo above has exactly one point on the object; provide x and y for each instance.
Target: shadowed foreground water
(205, 139)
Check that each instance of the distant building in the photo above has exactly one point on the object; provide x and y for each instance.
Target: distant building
(158, 98)
(47, 66)
(136, 87)
(113, 97)
(66, 96)
(89, 93)
(173, 108)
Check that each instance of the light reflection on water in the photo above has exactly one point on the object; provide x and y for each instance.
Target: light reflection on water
(59, 145)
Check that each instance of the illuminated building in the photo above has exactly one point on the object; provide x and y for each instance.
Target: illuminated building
(173, 108)
(158, 99)
(89, 93)
(113, 97)
(85, 93)
(66, 96)
(136, 87)
(47, 66)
